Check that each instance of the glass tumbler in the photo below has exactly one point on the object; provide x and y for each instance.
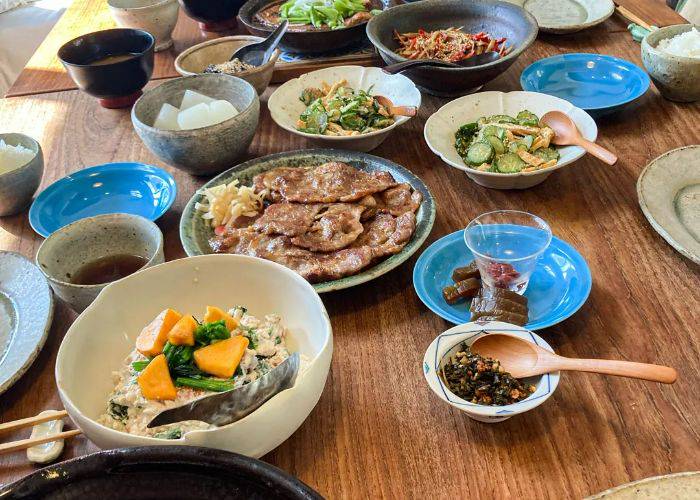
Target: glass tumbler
(506, 245)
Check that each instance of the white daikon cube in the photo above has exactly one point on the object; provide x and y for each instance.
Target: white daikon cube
(220, 111)
(195, 117)
(192, 98)
(167, 118)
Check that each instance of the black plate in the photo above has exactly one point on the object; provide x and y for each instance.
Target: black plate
(305, 42)
(160, 472)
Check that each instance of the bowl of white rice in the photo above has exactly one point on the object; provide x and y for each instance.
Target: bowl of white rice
(21, 167)
(671, 56)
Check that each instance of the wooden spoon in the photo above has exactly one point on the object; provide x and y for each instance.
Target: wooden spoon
(395, 110)
(524, 359)
(567, 134)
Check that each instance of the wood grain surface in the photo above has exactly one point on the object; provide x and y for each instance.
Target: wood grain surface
(378, 430)
(44, 72)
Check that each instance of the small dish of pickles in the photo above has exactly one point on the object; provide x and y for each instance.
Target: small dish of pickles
(497, 139)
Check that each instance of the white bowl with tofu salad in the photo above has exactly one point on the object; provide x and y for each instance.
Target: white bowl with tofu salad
(188, 329)
(496, 138)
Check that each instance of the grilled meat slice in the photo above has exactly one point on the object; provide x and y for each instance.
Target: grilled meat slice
(288, 219)
(336, 226)
(327, 183)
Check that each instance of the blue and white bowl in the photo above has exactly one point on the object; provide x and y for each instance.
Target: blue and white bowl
(448, 343)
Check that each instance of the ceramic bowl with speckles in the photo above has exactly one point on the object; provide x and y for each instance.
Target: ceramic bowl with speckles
(219, 50)
(85, 241)
(158, 17)
(26, 312)
(676, 77)
(17, 186)
(206, 150)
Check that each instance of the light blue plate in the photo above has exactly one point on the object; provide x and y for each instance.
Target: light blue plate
(558, 288)
(130, 188)
(597, 83)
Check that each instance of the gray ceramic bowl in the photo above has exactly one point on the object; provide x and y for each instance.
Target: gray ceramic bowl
(195, 59)
(677, 78)
(19, 185)
(206, 150)
(500, 19)
(87, 240)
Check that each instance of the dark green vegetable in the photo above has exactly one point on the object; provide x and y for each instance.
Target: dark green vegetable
(509, 163)
(139, 366)
(547, 154)
(496, 143)
(482, 380)
(310, 94)
(210, 384)
(528, 118)
(117, 411)
(175, 433)
(315, 119)
(208, 333)
(252, 335)
(480, 152)
(463, 137)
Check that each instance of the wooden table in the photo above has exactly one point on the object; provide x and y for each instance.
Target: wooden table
(378, 430)
(44, 72)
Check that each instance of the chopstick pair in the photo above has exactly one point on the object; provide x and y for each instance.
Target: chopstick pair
(624, 12)
(23, 444)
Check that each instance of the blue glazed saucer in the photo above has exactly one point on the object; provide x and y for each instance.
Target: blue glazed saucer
(596, 83)
(130, 188)
(558, 288)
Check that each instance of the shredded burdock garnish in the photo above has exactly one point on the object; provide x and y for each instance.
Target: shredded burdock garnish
(451, 44)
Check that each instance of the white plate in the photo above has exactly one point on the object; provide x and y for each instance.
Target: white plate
(285, 106)
(567, 16)
(26, 311)
(440, 131)
(669, 195)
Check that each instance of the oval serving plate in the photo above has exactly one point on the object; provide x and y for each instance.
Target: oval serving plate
(195, 232)
(596, 83)
(560, 17)
(26, 311)
(558, 288)
(669, 195)
(130, 188)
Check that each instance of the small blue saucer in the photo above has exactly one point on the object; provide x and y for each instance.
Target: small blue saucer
(596, 83)
(130, 188)
(558, 288)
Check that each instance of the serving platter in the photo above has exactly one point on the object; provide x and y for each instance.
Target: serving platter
(130, 187)
(669, 195)
(558, 288)
(567, 16)
(596, 83)
(26, 311)
(679, 485)
(195, 231)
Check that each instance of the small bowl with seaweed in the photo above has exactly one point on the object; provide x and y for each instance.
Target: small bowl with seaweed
(479, 386)
(345, 107)
(497, 139)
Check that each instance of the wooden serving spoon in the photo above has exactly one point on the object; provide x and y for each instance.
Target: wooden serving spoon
(395, 110)
(524, 359)
(567, 134)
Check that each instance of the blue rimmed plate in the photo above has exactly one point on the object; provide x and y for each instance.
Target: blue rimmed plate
(559, 286)
(596, 83)
(448, 343)
(130, 188)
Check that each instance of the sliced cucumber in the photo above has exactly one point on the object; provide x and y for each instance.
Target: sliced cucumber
(501, 119)
(547, 154)
(496, 143)
(527, 141)
(528, 118)
(509, 163)
(480, 152)
(516, 146)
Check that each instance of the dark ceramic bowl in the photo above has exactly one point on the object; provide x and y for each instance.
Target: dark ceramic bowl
(117, 84)
(500, 19)
(158, 472)
(305, 42)
(213, 15)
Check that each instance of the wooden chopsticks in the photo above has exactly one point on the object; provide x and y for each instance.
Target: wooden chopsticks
(630, 16)
(23, 444)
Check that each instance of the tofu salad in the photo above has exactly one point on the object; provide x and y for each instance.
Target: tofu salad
(178, 359)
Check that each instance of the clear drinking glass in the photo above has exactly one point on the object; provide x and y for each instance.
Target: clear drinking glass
(506, 245)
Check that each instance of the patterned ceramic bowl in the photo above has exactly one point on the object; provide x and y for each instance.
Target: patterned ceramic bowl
(448, 343)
